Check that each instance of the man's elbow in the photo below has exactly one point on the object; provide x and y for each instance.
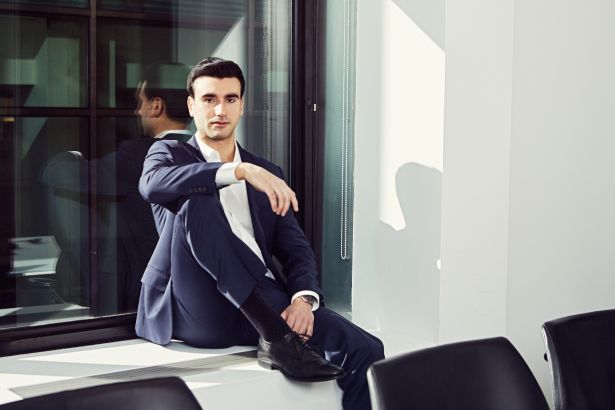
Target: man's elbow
(146, 190)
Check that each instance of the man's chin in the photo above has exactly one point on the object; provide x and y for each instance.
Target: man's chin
(219, 137)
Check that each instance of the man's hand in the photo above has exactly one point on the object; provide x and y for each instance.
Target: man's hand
(280, 195)
(299, 318)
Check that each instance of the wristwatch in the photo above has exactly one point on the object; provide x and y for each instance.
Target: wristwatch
(309, 299)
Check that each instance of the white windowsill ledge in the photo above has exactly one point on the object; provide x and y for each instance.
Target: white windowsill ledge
(218, 378)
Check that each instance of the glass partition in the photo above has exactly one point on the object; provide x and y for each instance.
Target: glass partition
(75, 234)
(54, 3)
(208, 9)
(43, 61)
(338, 154)
(45, 221)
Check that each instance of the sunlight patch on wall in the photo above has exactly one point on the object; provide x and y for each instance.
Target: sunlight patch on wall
(412, 105)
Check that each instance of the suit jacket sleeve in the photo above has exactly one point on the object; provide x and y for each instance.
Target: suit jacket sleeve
(294, 252)
(166, 180)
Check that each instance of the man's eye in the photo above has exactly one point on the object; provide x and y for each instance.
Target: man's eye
(231, 100)
(208, 100)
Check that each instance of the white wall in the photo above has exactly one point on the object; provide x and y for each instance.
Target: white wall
(529, 209)
(528, 183)
(479, 37)
(562, 185)
(398, 168)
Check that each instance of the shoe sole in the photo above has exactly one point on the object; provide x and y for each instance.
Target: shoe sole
(271, 366)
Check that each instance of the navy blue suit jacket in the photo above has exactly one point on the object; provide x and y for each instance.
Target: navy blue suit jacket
(172, 172)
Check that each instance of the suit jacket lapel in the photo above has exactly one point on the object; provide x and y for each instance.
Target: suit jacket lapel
(193, 147)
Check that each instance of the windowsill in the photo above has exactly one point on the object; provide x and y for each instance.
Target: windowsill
(42, 314)
(219, 378)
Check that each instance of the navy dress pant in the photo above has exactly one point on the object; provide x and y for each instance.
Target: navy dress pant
(213, 272)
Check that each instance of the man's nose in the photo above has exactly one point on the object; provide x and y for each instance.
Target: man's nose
(219, 110)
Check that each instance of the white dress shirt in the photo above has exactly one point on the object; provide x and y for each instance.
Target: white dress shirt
(164, 133)
(234, 199)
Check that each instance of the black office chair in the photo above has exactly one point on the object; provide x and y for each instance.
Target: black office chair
(581, 351)
(168, 393)
(484, 374)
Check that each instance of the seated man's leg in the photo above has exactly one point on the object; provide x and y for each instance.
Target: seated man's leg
(351, 347)
(205, 249)
(213, 272)
(202, 316)
(342, 342)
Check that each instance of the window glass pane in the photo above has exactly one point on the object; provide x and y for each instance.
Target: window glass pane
(128, 52)
(43, 61)
(254, 34)
(210, 9)
(118, 209)
(45, 251)
(75, 234)
(338, 161)
(62, 3)
(126, 234)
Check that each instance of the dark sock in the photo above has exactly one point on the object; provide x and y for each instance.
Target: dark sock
(267, 322)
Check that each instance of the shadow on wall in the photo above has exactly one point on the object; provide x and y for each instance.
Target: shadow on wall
(408, 258)
(429, 16)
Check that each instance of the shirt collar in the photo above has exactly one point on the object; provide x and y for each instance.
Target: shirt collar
(165, 133)
(211, 155)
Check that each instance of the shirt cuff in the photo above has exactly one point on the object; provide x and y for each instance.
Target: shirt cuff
(226, 174)
(307, 293)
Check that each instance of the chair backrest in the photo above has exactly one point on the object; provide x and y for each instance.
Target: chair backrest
(484, 374)
(581, 351)
(151, 394)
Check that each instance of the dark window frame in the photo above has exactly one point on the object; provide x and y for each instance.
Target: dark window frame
(306, 160)
(307, 127)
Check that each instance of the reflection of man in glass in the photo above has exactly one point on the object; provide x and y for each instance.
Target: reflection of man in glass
(162, 114)
(124, 247)
(161, 104)
(223, 214)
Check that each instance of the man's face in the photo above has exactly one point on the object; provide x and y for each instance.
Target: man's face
(216, 107)
(143, 110)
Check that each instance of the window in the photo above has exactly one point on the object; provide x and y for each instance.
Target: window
(338, 137)
(74, 234)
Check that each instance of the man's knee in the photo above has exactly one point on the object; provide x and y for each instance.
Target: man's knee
(371, 349)
(377, 348)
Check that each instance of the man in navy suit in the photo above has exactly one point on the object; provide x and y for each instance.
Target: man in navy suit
(223, 214)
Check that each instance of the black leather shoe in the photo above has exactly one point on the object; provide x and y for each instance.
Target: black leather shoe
(296, 360)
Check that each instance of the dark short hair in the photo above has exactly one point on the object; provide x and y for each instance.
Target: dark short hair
(166, 82)
(217, 68)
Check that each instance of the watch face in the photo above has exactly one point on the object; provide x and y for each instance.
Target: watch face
(309, 299)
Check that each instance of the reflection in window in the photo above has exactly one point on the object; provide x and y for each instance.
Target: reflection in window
(43, 61)
(62, 3)
(126, 49)
(75, 235)
(210, 9)
(46, 232)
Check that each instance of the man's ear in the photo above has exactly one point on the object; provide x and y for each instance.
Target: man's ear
(190, 102)
(157, 107)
